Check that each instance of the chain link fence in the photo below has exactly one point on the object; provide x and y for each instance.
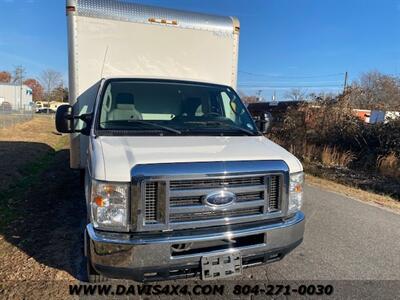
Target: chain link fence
(9, 119)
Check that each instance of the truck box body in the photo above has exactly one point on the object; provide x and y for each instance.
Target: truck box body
(119, 39)
(179, 180)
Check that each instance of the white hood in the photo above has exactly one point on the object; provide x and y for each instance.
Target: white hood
(120, 154)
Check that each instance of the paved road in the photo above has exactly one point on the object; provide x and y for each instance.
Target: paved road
(344, 240)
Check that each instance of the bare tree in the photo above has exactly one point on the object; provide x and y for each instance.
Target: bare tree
(296, 94)
(50, 80)
(60, 94)
(250, 99)
(322, 97)
(375, 90)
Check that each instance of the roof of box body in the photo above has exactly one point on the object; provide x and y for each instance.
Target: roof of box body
(162, 78)
(138, 13)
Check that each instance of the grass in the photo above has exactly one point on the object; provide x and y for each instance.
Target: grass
(8, 197)
(331, 156)
(27, 150)
(328, 156)
(389, 165)
(39, 129)
(10, 120)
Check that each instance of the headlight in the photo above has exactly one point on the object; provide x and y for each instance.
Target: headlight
(109, 205)
(296, 192)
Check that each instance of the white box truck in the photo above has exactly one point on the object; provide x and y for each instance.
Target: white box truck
(179, 180)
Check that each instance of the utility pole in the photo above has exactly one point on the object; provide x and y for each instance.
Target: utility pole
(345, 82)
(259, 92)
(19, 78)
(20, 96)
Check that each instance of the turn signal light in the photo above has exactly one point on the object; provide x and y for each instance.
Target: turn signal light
(99, 201)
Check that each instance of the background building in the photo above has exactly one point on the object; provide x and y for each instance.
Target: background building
(19, 97)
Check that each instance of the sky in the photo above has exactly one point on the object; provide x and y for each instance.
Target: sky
(308, 44)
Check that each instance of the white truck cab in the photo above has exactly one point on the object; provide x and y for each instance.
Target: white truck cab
(179, 180)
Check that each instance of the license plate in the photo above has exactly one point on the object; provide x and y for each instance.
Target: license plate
(221, 266)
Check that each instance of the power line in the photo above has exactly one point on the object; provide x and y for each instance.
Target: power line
(294, 76)
(345, 82)
(264, 89)
(290, 86)
(269, 82)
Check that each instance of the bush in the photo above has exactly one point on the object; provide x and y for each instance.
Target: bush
(389, 165)
(334, 157)
(329, 133)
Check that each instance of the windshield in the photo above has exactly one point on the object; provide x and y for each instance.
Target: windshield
(172, 108)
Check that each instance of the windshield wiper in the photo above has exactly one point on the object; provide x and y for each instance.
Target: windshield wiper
(170, 129)
(166, 128)
(248, 132)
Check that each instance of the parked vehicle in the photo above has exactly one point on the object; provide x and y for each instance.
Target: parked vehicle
(53, 105)
(363, 114)
(379, 116)
(179, 181)
(41, 104)
(5, 107)
(45, 111)
(272, 113)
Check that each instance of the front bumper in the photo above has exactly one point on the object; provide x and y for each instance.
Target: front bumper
(147, 257)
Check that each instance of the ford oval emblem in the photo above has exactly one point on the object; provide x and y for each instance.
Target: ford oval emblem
(219, 199)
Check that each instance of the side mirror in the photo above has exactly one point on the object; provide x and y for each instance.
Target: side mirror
(65, 119)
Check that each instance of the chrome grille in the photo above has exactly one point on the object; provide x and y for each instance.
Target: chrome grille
(209, 215)
(273, 193)
(189, 201)
(184, 201)
(241, 197)
(151, 197)
(216, 183)
(172, 196)
(255, 196)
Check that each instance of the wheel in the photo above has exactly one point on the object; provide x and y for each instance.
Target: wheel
(92, 275)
